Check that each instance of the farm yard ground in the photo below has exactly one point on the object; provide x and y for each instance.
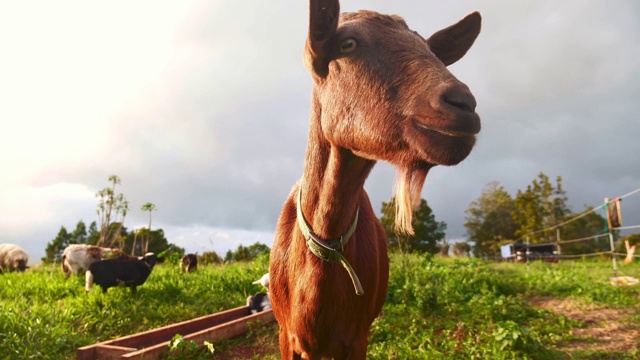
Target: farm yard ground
(605, 330)
(436, 309)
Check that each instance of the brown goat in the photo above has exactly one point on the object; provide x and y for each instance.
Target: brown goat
(381, 92)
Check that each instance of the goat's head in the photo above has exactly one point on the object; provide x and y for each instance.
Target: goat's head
(384, 92)
(151, 259)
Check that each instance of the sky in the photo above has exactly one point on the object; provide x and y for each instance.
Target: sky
(202, 108)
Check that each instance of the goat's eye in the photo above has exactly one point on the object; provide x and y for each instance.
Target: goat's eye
(348, 46)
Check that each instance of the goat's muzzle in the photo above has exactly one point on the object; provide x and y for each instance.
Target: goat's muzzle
(444, 124)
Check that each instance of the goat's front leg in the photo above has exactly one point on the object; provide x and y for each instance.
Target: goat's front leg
(358, 350)
(286, 348)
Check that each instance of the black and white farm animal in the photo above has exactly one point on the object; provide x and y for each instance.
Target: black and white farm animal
(259, 302)
(78, 257)
(13, 258)
(120, 272)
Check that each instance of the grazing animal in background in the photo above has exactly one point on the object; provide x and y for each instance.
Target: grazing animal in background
(13, 258)
(258, 302)
(78, 257)
(120, 272)
(189, 263)
(264, 281)
(381, 92)
(631, 252)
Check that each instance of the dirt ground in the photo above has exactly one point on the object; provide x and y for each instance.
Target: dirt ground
(605, 329)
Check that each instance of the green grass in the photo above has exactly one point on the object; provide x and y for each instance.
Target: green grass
(468, 309)
(45, 316)
(435, 309)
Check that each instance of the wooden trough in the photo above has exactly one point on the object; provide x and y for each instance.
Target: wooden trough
(153, 344)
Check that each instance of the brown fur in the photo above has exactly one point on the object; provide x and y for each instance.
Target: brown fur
(392, 99)
(94, 253)
(189, 263)
(121, 255)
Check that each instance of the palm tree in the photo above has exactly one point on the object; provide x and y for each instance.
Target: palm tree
(147, 207)
(111, 206)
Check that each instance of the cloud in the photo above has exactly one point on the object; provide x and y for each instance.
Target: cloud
(202, 108)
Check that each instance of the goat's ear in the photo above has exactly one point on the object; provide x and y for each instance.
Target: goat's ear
(323, 22)
(451, 43)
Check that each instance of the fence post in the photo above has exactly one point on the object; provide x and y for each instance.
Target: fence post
(613, 254)
(558, 244)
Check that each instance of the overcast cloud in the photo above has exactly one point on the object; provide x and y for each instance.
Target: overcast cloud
(202, 109)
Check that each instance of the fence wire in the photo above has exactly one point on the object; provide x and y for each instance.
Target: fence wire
(526, 255)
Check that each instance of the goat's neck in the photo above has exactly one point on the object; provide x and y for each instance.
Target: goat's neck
(332, 183)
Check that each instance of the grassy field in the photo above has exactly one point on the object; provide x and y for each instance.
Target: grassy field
(436, 309)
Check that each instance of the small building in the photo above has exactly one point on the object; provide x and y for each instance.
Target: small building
(523, 252)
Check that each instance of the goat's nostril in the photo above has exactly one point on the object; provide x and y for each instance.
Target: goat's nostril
(462, 100)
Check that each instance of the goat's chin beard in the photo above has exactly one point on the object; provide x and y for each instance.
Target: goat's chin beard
(408, 187)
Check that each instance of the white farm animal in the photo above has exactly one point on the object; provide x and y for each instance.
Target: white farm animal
(78, 257)
(264, 281)
(12, 258)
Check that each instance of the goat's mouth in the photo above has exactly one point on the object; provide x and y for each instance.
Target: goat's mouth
(448, 132)
(442, 145)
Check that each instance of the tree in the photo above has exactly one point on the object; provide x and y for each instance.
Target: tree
(584, 227)
(156, 242)
(210, 257)
(145, 240)
(93, 235)
(112, 209)
(428, 231)
(79, 234)
(489, 222)
(443, 247)
(461, 248)
(246, 253)
(54, 249)
(540, 206)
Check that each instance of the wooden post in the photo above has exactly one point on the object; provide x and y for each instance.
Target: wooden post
(558, 244)
(613, 255)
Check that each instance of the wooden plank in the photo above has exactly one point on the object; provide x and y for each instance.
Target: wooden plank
(86, 352)
(111, 352)
(151, 337)
(231, 329)
(102, 352)
(165, 333)
(216, 333)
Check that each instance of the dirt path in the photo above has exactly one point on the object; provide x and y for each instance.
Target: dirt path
(605, 329)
